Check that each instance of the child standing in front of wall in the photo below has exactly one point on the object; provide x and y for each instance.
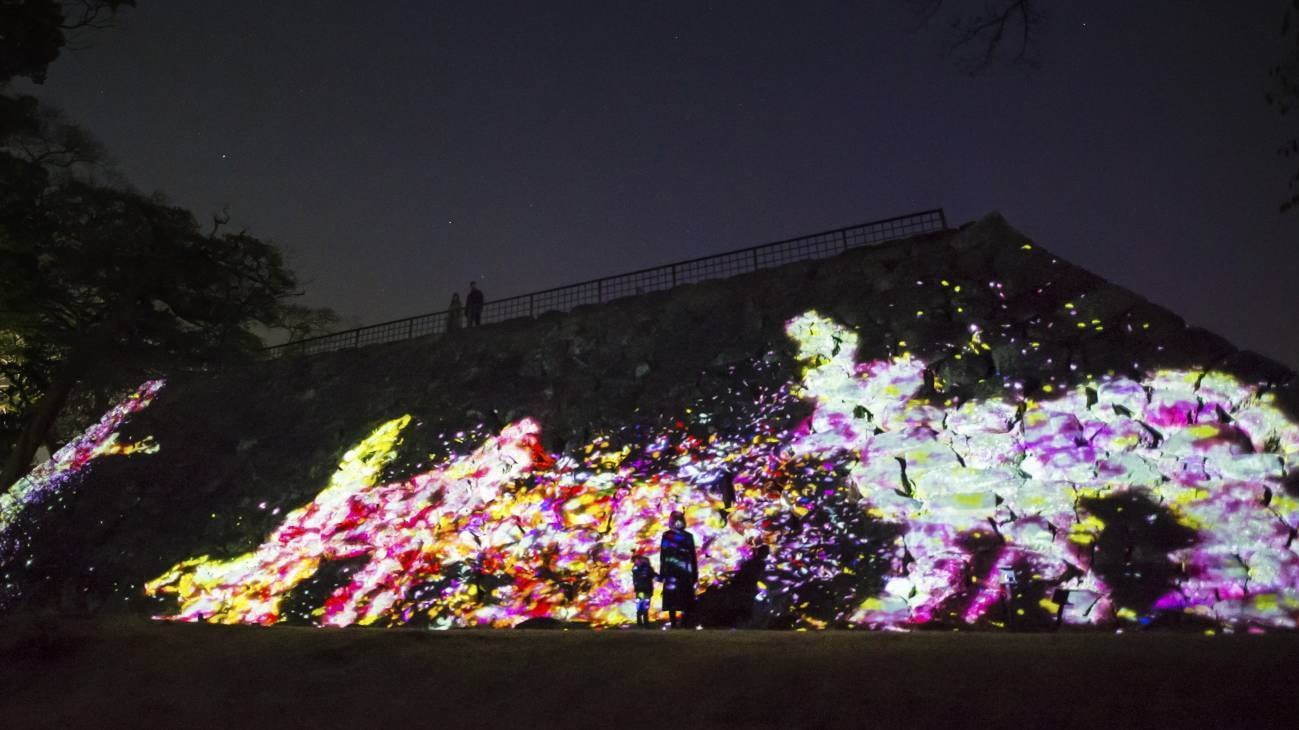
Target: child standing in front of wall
(642, 581)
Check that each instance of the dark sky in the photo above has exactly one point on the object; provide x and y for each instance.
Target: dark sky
(398, 149)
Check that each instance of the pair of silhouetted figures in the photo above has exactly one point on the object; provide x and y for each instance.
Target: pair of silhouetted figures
(472, 310)
(680, 572)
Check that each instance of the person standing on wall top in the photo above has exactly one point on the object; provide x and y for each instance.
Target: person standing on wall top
(474, 305)
(680, 570)
(454, 313)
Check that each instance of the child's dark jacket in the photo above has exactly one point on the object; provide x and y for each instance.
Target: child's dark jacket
(642, 578)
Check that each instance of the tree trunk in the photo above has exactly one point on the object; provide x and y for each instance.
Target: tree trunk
(38, 428)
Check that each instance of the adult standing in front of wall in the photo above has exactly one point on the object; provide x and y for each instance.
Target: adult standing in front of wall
(679, 569)
(474, 305)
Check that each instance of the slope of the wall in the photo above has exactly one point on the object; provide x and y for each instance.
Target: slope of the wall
(957, 428)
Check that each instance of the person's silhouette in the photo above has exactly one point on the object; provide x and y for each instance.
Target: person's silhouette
(679, 569)
(474, 305)
(454, 313)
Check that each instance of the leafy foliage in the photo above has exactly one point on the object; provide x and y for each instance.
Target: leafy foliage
(35, 31)
(134, 274)
(101, 286)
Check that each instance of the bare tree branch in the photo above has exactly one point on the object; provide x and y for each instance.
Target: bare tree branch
(82, 18)
(91, 14)
(1001, 31)
(1283, 96)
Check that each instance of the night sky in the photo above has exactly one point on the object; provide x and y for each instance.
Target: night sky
(399, 149)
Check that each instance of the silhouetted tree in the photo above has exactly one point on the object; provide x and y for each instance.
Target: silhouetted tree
(101, 286)
(987, 33)
(301, 322)
(33, 32)
(990, 33)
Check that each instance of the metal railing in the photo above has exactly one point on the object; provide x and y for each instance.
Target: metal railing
(658, 278)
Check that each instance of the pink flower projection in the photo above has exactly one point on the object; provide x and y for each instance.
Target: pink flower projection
(1209, 449)
(99, 440)
(980, 499)
(552, 537)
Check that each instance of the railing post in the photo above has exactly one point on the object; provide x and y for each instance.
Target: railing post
(563, 298)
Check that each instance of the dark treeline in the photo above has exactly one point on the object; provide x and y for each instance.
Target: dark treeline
(101, 286)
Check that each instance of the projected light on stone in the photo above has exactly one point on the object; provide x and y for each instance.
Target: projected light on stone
(889, 507)
(553, 547)
(1020, 478)
(48, 478)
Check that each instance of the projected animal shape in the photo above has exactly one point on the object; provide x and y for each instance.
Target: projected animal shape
(465, 543)
(988, 490)
(980, 493)
(353, 517)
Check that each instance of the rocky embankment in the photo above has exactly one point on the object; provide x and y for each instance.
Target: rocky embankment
(691, 392)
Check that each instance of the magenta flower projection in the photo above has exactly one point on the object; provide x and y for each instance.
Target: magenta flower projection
(1202, 445)
(46, 479)
(552, 536)
(961, 511)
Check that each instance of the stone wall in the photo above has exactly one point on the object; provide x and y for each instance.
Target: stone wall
(709, 370)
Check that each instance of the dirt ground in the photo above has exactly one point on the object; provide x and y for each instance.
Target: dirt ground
(133, 673)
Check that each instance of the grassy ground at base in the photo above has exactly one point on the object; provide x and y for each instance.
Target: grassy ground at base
(127, 673)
